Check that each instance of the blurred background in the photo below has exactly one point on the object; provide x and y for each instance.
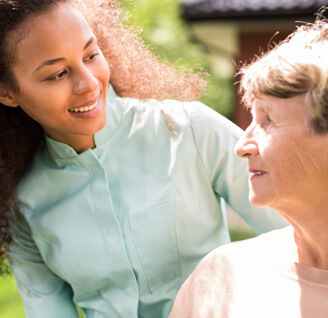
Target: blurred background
(215, 36)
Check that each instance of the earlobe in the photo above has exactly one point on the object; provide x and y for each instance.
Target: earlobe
(7, 97)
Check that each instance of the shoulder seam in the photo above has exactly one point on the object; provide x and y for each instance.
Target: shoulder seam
(195, 144)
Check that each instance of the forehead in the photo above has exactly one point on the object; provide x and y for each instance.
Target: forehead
(49, 31)
(285, 107)
(262, 103)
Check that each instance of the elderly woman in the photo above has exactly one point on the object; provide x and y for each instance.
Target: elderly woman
(283, 273)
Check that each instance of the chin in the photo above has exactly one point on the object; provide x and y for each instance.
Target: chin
(258, 201)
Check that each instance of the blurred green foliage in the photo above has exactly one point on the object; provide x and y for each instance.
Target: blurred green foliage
(11, 305)
(237, 234)
(169, 37)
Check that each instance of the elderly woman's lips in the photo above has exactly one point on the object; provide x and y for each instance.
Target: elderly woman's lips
(256, 173)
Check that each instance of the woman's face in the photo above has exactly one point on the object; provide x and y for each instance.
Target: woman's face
(62, 76)
(286, 163)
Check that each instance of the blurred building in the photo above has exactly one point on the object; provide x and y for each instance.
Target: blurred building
(234, 30)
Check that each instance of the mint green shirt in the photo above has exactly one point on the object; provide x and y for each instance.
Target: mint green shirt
(117, 229)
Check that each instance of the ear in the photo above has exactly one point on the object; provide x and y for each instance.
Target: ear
(7, 97)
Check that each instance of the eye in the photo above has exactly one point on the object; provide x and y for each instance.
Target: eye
(265, 121)
(92, 57)
(261, 118)
(262, 123)
(58, 76)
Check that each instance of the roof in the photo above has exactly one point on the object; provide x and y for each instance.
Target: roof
(235, 9)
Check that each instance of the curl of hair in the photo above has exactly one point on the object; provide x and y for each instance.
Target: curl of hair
(135, 72)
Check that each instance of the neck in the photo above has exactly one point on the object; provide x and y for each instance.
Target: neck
(310, 224)
(78, 143)
(83, 146)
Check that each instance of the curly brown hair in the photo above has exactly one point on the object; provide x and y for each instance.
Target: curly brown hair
(135, 72)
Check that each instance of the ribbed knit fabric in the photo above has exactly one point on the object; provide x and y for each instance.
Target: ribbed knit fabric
(255, 278)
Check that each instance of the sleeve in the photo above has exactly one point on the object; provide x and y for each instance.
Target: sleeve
(208, 291)
(193, 296)
(215, 138)
(43, 293)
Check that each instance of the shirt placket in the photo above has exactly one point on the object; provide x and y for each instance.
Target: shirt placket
(122, 290)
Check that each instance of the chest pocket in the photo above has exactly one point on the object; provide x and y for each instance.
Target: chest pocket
(155, 238)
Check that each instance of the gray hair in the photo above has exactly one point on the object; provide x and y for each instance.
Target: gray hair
(297, 65)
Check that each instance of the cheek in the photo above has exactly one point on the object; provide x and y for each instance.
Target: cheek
(107, 72)
(293, 163)
(103, 71)
(41, 106)
(283, 157)
(34, 112)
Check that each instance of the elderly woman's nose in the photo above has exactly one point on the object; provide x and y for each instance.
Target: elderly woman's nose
(246, 146)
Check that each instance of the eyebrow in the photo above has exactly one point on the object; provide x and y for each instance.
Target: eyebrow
(92, 39)
(59, 59)
(263, 107)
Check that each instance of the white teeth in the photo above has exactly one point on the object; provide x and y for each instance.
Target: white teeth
(83, 109)
(258, 172)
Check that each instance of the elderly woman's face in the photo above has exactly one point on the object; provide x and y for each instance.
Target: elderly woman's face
(285, 161)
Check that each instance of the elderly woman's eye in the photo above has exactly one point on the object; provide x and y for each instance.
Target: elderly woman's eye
(266, 121)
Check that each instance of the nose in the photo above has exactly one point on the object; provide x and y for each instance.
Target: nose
(84, 81)
(246, 145)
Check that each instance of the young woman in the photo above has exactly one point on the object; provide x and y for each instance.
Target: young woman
(120, 197)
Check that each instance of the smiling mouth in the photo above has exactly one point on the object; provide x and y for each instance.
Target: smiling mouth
(258, 172)
(83, 109)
